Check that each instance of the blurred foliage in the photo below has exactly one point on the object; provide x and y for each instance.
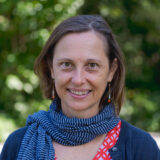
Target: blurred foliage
(25, 27)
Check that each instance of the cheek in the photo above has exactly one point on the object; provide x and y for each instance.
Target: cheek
(99, 78)
(61, 79)
(60, 86)
(99, 82)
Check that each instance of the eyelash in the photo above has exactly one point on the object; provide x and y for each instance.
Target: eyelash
(69, 66)
(91, 67)
(65, 65)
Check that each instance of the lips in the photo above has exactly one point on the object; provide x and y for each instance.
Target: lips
(79, 92)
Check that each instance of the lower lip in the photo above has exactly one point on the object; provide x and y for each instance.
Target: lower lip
(78, 96)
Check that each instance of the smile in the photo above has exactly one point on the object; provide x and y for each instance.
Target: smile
(78, 92)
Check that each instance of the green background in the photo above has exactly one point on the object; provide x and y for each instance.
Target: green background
(25, 25)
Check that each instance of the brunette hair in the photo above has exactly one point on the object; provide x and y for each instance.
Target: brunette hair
(82, 23)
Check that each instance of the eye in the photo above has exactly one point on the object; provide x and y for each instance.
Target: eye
(66, 65)
(92, 66)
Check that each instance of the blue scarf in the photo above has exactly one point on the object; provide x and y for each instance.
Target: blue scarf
(44, 127)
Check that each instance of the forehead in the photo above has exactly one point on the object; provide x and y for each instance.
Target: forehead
(90, 41)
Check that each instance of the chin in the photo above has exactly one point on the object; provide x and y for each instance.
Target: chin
(78, 106)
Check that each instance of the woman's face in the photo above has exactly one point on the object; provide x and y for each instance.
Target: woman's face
(81, 73)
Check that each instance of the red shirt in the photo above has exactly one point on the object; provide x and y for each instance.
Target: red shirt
(109, 141)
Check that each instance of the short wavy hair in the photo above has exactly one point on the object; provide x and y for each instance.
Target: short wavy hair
(83, 23)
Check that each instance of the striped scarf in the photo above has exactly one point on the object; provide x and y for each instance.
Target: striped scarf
(44, 127)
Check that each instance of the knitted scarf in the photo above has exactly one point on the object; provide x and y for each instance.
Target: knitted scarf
(44, 127)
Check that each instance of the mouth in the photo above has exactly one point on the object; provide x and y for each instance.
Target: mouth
(79, 92)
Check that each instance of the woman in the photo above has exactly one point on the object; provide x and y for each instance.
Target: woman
(81, 69)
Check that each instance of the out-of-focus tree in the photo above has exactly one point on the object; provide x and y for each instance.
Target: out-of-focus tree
(137, 29)
(25, 27)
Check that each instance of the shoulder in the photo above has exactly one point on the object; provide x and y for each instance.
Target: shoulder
(12, 144)
(133, 131)
(140, 142)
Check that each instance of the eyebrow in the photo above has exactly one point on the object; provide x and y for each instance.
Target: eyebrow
(64, 59)
(94, 60)
(88, 60)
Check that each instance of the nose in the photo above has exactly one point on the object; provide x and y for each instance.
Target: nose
(78, 77)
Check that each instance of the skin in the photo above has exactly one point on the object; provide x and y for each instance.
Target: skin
(81, 66)
(82, 152)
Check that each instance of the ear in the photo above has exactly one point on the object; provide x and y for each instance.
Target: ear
(113, 69)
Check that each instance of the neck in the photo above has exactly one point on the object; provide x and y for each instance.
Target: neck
(80, 114)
